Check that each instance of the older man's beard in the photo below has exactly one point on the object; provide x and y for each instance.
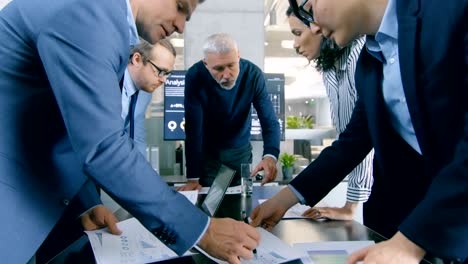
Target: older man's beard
(227, 87)
(224, 86)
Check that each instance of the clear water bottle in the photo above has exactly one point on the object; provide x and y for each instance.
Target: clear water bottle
(246, 180)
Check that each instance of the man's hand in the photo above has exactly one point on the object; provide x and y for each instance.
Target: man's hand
(344, 213)
(269, 213)
(229, 240)
(100, 217)
(191, 185)
(398, 249)
(268, 164)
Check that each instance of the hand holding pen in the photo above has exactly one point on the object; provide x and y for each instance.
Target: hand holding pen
(246, 220)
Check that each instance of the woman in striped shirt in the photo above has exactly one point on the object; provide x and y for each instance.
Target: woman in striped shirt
(337, 66)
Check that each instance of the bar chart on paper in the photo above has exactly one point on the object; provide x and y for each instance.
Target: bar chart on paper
(135, 245)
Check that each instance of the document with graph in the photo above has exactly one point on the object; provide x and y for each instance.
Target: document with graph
(135, 245)
(271, 250)
(331, 252)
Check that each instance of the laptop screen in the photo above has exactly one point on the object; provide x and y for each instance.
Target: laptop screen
(218, 190)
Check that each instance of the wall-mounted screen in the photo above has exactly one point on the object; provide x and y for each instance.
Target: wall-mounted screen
(174, 122)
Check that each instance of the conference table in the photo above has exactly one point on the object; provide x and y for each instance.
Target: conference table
(289, 230)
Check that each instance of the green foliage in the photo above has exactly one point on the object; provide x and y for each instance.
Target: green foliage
(287, 160)
(299, 121)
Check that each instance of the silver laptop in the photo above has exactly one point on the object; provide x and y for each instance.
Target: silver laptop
(217, 191)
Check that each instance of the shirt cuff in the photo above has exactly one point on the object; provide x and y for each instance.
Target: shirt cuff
(298, 195)
(357, 195)
(269, 155)
(203, 233)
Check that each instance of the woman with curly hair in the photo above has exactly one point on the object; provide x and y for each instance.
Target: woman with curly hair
(337, 66)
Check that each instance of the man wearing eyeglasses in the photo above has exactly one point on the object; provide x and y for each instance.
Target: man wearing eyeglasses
(148, 67)
(412, 83)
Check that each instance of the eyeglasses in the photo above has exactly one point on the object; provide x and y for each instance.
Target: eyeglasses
(160, 72)
(306, 17)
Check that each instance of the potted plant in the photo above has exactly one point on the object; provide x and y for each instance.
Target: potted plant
(287, 161)
(297, 122)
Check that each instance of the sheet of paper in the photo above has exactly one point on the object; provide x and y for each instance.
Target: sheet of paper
(271, 250)
(237, 189)
(266, 184)
(331, 252)
(204, 190)
(234, 190)
(192, 196)
(230, 190)
(294, 212)
(135, 245)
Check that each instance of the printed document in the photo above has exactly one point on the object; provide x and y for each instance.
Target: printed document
(271, 250)
(192, 196)
(331, 252)
(230, 190)
(135, 245)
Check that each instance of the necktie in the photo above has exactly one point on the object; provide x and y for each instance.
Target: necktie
(131, 113)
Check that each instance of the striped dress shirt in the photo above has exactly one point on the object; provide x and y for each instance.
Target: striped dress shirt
(341, 91)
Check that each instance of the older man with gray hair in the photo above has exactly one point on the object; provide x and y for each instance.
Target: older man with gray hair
(219, 93)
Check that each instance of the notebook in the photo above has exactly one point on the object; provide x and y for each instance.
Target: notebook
(217, 191)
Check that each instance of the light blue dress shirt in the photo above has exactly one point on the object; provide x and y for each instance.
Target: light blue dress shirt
(129, 89)
(142, 103)
(133, 33)
(385, 49)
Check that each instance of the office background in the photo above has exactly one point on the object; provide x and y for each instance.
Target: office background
(260, 27)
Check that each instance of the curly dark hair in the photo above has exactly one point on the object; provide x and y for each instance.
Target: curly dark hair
(329, 53)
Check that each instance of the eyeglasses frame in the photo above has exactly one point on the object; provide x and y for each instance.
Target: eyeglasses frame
(306, 17)
(161, 72)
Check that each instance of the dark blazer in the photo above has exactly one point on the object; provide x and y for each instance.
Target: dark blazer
(423, 196)
(60, 107)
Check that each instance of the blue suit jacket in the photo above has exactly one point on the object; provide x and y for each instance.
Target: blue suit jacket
(424, 196)
(60, 107)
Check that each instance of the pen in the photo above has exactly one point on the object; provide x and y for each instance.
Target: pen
(246, 220)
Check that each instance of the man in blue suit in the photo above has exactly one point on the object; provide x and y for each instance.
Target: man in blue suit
(60, 109)
(140, 80)
(412, 82)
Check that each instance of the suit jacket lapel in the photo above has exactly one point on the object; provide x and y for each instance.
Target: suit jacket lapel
(407, 40)
(369, 76)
